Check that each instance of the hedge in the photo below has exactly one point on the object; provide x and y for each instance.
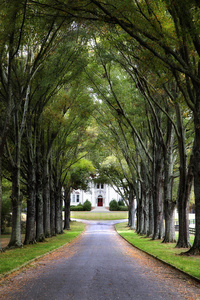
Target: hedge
(86, 206)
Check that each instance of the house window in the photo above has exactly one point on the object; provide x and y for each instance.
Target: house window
(99, 186)
(77, 198)
(73, 198)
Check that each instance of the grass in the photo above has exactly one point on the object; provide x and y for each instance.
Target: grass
(15, 258)
(166, 252)
(111, 215)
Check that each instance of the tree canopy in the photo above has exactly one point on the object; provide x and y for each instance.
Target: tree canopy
(108, 88)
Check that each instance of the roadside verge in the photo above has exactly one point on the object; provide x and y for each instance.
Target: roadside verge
(167, 253)
(15, 259)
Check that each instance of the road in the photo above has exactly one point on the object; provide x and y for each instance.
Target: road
(99, 265)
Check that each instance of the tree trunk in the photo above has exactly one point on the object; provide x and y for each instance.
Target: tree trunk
(131, 209)
(185, 185)
(196, 246)
(169, 204)
(145, 198)
(39, 213)
(39, 200)
(0, 195)
(183, 212)
(31, 205)
(58, 211)
(31, 216)
(140, 213)
(157, 197)
(52, 206)
(67, 209)
(151, 216)
(146, 213)
(46, 200)
(15, 240)
(169, 209)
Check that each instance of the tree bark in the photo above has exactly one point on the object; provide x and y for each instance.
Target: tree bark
(195, 250)
(39, 199)
(31, 205)
(46, 199)
(140, 212)
(169, 204)
(52, 204)
(151, 215)
(67, 209)
(0, 195)
(157, 194)
(15, 240)
(131, 209)
(185, 185)
(58, 211)
(146, 212)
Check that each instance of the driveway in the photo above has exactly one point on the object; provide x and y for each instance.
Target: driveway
(99, 265)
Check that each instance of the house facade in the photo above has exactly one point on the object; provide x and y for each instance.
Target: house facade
(99, 195)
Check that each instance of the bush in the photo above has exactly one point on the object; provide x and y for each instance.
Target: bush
(113, 206)
(6, 217)
(87, 205)
(79, 207)
(6, 223)
(121, 203)
(123, 208)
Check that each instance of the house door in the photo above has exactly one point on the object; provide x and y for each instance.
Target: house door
(100, 201)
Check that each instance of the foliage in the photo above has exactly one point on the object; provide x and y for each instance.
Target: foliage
(123, 208)
(6, 206)
(78, 207)
(87, 205)
(56, 74)
(113, 205)
(80, 173)
(121, 203)
(117, 206)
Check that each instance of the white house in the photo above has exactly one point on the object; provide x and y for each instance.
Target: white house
(98, 194)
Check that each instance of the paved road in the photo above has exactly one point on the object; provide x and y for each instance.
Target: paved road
(99, 265)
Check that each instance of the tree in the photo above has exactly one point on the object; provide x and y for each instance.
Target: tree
(79, 177)
(11, 34)
(169, 31)
(22, 102)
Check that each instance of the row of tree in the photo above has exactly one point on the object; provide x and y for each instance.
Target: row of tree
(135, 69)
(145, 131)
(162, 56)
(44, 115)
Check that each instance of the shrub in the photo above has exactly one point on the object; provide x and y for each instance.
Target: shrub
(113, 206)
(87, 205)
(123, 208)
(121, 203)
(79, 207)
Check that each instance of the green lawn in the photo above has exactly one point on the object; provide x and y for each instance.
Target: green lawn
(165, 252)
(111, 215)
(14, 258)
